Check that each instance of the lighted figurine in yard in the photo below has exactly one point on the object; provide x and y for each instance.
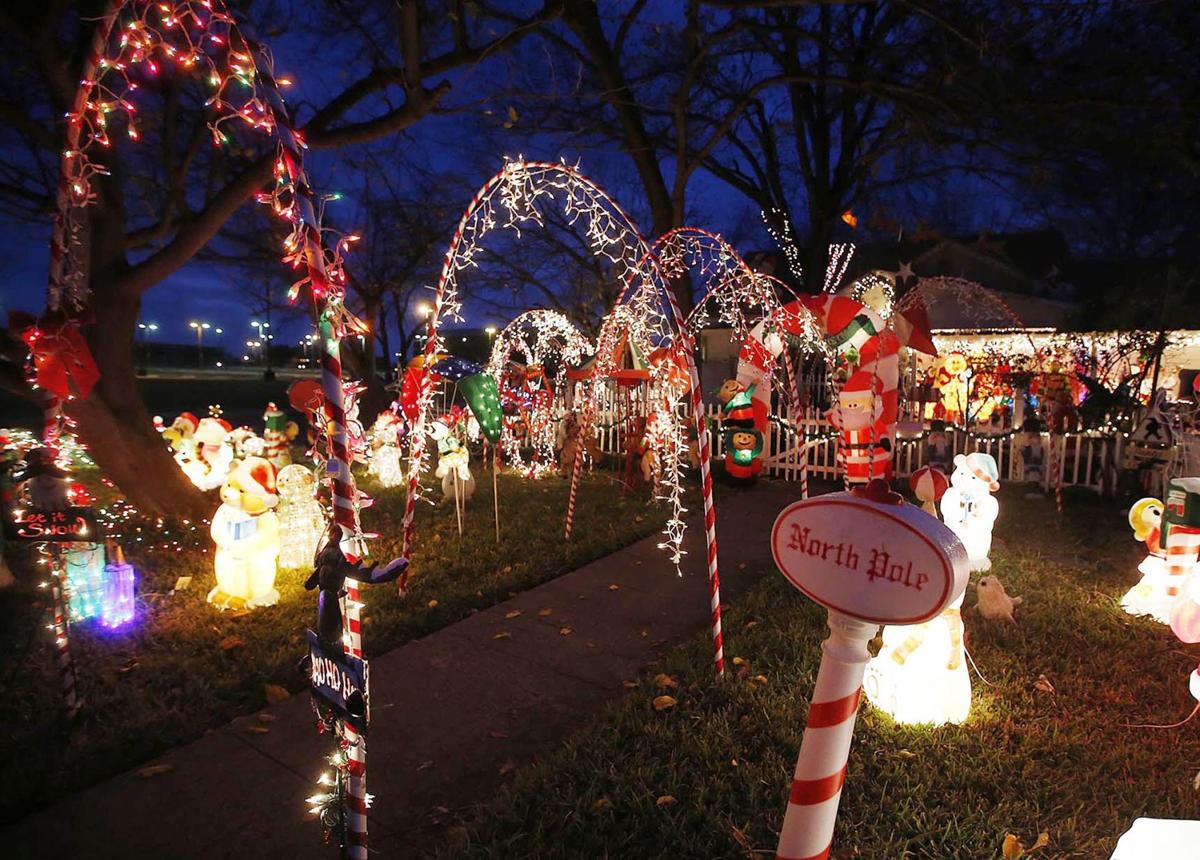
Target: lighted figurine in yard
(996, 604)
(181, 437)
(213, 454)
(385, 450)
(246, 532)
(864, 447)
(85, 579)
(938, 452)
(743, 443)
(1149, 596)
(920, 674)
(278, 434)
(453, 463)
(331, 569)
(951, 383)
(301, 518)
(1028, 443)
(968, 507)
(929, 484)
(1181, 538)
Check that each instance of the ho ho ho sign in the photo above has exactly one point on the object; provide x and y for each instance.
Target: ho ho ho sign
(340, 681)
(870, 556)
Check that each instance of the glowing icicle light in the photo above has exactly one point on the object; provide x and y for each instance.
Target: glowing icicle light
(968, 507)
(245, 530)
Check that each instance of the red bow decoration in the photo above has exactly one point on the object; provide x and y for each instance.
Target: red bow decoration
(60, 354)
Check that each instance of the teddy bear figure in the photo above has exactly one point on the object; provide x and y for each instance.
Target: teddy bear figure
(246, 532)
(968, 507)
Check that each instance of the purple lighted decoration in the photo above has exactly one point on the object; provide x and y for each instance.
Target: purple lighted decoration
(116, 607)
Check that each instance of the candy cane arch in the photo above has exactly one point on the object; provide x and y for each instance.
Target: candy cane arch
(202, 36)
(537, 335)
(513, 199)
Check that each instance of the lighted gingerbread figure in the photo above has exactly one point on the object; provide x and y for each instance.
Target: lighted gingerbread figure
(865, 447)
(278, 434)
(968, 507)
(920, 674)
(246, 532)
(301, 519)
(1149, 596)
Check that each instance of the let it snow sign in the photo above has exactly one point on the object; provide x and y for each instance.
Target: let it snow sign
(874, 558)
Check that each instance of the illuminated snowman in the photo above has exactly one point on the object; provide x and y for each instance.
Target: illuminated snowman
(385, 450)
(920, 674)
(301, 518)
(968, 507)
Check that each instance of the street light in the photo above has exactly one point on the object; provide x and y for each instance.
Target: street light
(264, 340)
(200, 328)
(146, 329)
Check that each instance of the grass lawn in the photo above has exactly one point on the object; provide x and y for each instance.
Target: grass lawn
(1044, 750)
(183, 667)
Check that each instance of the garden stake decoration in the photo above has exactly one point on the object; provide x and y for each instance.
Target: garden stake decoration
(869, 558)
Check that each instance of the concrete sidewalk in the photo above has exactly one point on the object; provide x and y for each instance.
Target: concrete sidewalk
(449, 713)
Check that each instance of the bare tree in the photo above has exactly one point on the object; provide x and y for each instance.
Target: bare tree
(166, 198)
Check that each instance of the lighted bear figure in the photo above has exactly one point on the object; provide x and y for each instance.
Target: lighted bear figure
(301, 518)
(1149, 596)
(968, 507)
(246, 532)
(920, 674)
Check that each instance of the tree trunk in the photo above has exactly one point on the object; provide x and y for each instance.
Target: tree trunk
(116, 426)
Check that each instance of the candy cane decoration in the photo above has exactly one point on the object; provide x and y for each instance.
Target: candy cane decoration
(805, 450)
(807, 832)
(1183, 552)
(62, 636)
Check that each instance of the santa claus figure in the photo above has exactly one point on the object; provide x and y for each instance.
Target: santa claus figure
(866, 449)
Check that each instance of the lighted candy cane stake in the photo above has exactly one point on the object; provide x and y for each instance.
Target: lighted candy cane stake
(869, 558)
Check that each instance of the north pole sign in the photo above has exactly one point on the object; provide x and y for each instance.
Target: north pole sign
(870, 557)
(339, 680)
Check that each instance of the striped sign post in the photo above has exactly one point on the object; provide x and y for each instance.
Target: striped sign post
(870, 558)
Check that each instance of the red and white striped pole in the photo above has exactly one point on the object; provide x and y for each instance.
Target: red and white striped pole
(805, 453)
(1183, 551)
(62, 637)
(821, 768)
(706, 483)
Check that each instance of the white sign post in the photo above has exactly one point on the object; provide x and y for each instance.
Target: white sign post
(870, 558)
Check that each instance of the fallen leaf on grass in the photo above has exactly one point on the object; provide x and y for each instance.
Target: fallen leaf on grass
(155, 770)
(601, 804)
(739, 661)
(264, 717)
(1196, 781)
(629, 685)
(665, 680)
(128, 667)
(665, 800)
(1014, 850)
(231, 642)
(503, 634)
(613, 587)
(565, 631)
(508, 767)
(182, 583)
(750, 625)
(759, 679)
(1043, 683)
(513, 614)
(664, 703)
(425, 765)
(544, 612)
(432, 604)
(275, 694)
(258, 730)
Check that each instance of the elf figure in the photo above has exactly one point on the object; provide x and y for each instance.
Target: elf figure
(920, 675)
(865, 446)
(278, 435)
(968, 507)
(743, 443)
(301, 519)
(246, 532)
(1149, 596)
(385, 450)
